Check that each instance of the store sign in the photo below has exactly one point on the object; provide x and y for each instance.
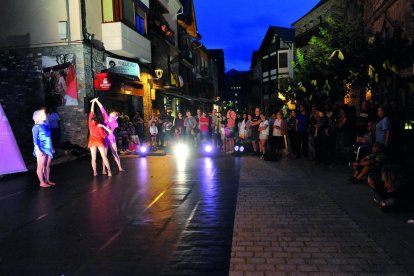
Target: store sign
(102, 81)
(122, 67)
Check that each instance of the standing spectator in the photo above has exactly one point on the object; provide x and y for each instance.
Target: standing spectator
(214, 128)
(254, 126)
(303, 128)
(321, 138)
(231, 126)
(222, 127)
(178, 128)
(203, 125)
(167, 128)
(190, 124)
(139, 126)
(312, 123)
(341, 131)
(153, 132)
(160, 135)
(243, 126)
(54, 125)
(278, 133)
(197, 135)
(264, 134)
(382, 128)
(291, 126)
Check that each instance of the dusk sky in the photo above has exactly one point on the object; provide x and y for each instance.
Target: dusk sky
(239, 26)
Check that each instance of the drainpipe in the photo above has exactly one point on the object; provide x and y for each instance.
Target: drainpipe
(68, 20)
(87, 38)
(83, 16)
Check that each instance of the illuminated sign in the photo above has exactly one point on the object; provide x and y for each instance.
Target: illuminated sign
(122, 67)
(102, 82)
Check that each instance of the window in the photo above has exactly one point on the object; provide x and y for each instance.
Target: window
(283, 60)
(132, 13)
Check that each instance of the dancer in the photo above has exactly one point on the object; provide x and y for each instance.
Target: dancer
(43, 148)
(97, 140)
(110, 140)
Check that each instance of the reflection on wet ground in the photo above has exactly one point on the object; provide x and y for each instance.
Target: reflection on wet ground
(163, 216)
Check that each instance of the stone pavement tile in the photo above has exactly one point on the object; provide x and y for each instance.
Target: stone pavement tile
(285, 224)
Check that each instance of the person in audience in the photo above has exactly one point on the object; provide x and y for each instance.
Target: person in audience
(371, 164)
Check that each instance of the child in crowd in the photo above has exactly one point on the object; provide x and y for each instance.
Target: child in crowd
(154, 132)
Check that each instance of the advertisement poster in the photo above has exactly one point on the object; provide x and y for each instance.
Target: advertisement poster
(11, 160)
(59, 79)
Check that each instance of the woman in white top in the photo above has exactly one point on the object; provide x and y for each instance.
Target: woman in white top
(263, 134)
(154, 132)
(278, 133)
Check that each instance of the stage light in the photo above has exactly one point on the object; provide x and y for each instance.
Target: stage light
(241, 148)
(181, 150)
(143, 149)
(236, 148)
(208, 148)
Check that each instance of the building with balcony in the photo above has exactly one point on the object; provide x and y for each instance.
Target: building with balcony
(273, 61)
(53, 50)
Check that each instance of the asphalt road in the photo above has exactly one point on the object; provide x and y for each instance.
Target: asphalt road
(164, 216)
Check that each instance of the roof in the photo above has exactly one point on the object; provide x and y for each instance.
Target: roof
(286, 34)
(314, 8)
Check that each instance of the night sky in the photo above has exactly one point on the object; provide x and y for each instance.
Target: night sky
(239, 26)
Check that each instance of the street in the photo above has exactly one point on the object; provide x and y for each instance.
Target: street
(163, 216)
(200, 216)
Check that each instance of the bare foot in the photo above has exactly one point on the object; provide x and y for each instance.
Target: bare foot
(95, 174)
(104, 172)
(109, 173)
(50, 183)
(122, 170)
(44, 185)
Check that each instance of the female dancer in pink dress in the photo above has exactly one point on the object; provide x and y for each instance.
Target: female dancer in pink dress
(110, 140)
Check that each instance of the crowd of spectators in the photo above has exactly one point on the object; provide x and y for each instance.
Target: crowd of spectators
(367, 140)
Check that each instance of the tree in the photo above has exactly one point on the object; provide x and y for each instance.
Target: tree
(330, 61)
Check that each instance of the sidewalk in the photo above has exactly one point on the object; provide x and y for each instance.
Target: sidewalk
(294, 217)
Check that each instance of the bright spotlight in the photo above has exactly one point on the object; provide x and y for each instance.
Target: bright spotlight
(236, 148)
(181, 150)
(241, 148)
(143, 149)
(208, 148)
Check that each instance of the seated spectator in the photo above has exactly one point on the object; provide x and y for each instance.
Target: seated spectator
(388, 189)
(371, 164)
(366, 137)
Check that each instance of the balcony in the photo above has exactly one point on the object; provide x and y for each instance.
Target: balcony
(161, 29)
(124, 41)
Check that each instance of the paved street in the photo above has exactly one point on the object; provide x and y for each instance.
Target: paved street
(294, 217)
(200, 216)
(164, 216)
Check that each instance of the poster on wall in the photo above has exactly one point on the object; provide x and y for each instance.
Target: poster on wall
(59, 80)
(11, 160)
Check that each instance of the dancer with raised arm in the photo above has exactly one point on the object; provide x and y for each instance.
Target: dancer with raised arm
(43, 148)
(110, 140)
(97, 136)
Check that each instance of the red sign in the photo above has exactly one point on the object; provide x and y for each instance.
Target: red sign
(102, 81)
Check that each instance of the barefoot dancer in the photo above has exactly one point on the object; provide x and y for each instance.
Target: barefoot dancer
(43, 148)
(97, 140)
(110, 140)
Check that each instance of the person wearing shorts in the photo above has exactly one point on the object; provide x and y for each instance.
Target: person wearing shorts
(254, 128)
(231, 125)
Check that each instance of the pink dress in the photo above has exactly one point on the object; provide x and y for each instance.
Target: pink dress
(110, 138)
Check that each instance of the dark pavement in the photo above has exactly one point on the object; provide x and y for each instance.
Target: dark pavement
(163, 216)
(200, 216)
